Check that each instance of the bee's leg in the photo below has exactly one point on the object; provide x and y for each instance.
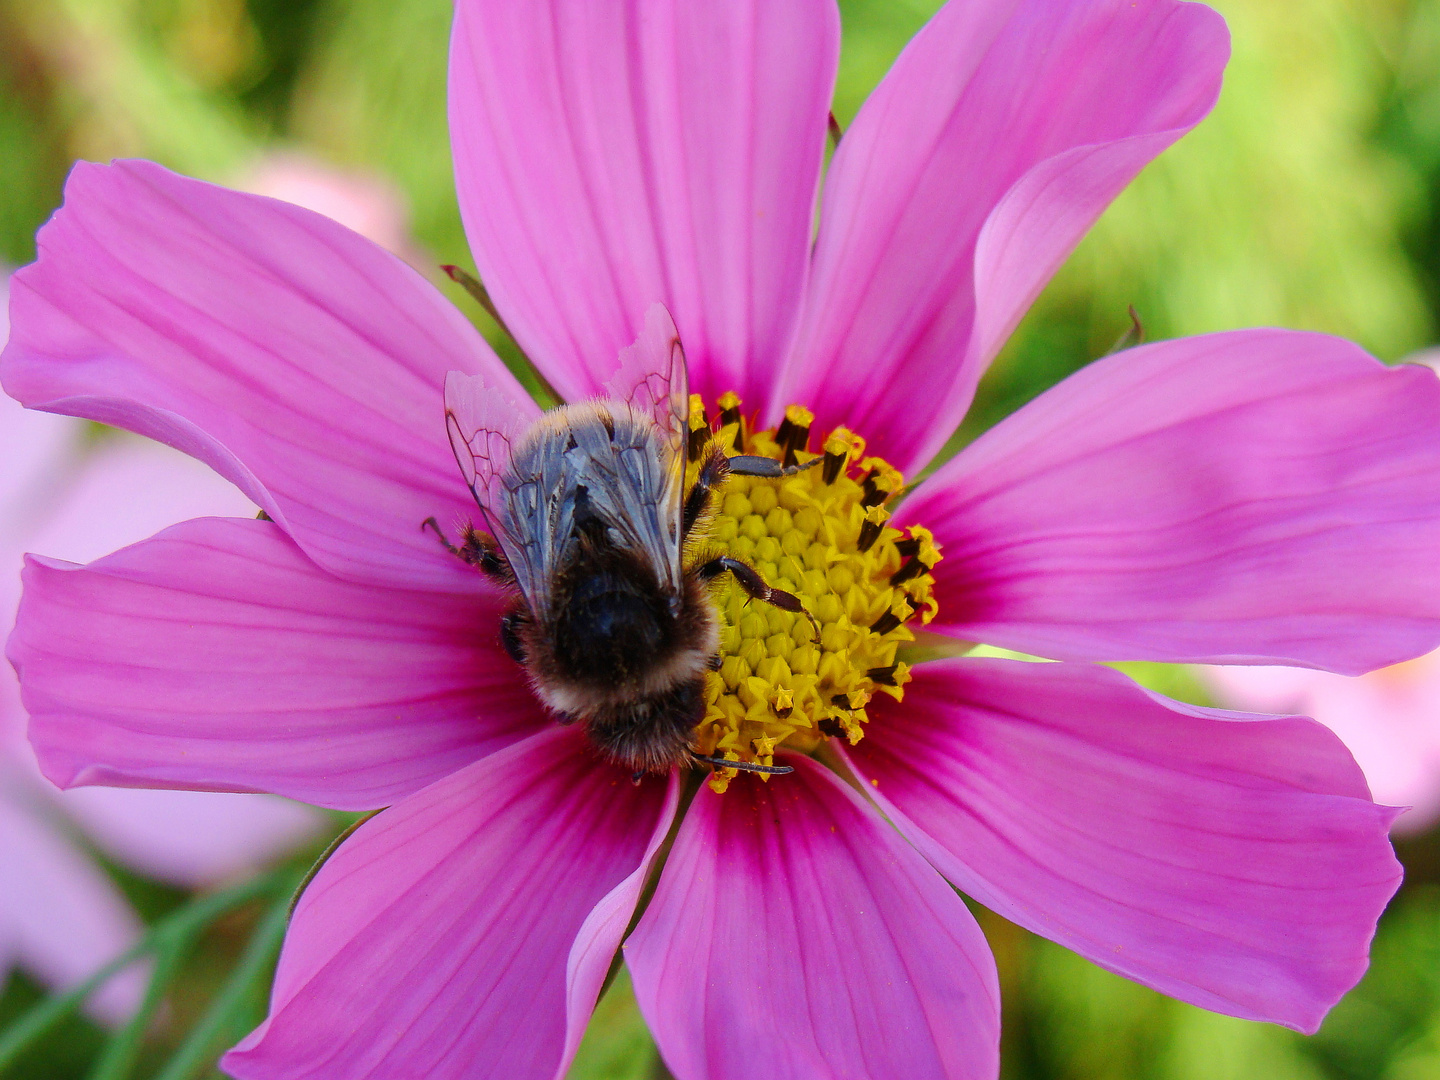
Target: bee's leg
(510, 636)
(476, 549)
(712, 474)
(480, 549)
(743, 766)
(755, 586)
(434, 526)
(755, 465)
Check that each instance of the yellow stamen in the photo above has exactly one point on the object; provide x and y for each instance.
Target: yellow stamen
(823, 535)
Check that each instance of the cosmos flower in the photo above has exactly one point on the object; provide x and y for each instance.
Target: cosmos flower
(1257, 496)
(60, 917)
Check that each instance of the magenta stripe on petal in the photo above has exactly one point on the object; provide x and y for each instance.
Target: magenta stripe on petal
(1249, 497)
(1235, 862)
(794, 935)
(297, 358)
(612, 156)
(217, 656)
(436, 942)
(1003, 131)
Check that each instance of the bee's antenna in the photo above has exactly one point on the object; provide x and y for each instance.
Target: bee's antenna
(744, 766)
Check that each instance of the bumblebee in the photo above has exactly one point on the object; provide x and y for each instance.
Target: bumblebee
(587, 523)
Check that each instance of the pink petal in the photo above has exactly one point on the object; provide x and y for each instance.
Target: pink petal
(60, 917)
(216, 656)
(1002, 132)
(612, 156)
(794, 935)
(364, 202)
(1389, 719)
(1234, 498)
(435, 943)
(79, 501)
(1235, 862)
(298, 359)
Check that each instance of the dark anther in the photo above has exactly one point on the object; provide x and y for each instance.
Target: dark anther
(885, 676)
(799, 440)
(869, 533)
(887, 622)
(830, 726)
(744, 766)
(912, 569)
(784, 432)
(732, 416)
(907, 547)
(872, 495)
(833, 464)
(842, 701)
(698, 438)
(790, 437)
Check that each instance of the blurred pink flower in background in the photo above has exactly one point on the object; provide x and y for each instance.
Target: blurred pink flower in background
(1390, 720)
(64, 489)
(362, 201)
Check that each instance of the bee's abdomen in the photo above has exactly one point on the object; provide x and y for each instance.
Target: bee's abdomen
(652, 734)
(609, 632)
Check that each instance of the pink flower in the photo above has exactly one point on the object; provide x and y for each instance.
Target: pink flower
(365, 203)
(1258, 496)
(60, 917)
(1389, 719)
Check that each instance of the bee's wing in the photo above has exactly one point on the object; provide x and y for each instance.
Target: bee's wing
(653, 381)
(484, 426)
(652, 378)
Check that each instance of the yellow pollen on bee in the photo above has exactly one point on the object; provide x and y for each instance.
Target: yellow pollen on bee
(822, 534)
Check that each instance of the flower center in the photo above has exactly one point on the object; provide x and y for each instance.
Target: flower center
(821, 534)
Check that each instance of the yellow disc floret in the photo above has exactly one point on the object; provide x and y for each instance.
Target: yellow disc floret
(822, 534)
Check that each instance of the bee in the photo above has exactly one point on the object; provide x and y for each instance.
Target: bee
(587, 523)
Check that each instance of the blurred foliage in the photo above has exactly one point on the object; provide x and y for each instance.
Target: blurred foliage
(1310, 198)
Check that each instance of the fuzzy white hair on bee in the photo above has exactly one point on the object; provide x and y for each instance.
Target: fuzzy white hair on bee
(587, 518)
